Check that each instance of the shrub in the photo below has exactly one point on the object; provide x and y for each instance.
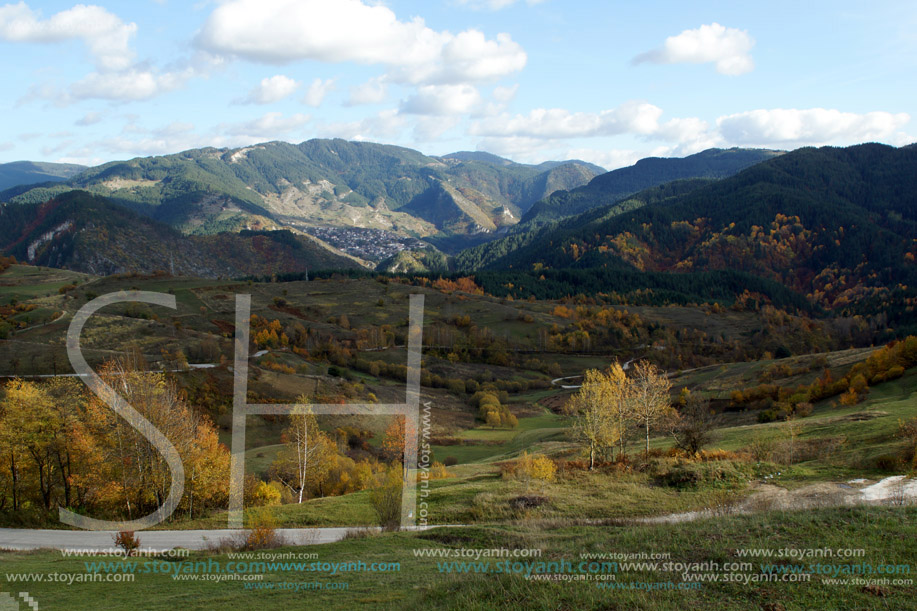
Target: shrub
(265, 495)
(761, 447)
(263, 535)
(692, 474)
(531, 466)
(450, 461)
(438, 471)
(711, 455)
(888, 462)
(128, 541)
(803, 410)
(385, 498)
(527, 502)
(851, 397)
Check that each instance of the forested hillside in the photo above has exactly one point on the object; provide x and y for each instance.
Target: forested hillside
(322, 182)
(33, 172)
(652, 171)
(835, 225)
(86, 233)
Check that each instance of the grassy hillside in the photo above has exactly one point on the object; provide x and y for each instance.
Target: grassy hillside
(424, 582)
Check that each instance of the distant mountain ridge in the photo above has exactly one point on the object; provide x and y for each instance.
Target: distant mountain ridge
(323, 182)
(34, 172)
(837, 226)
(613, 186)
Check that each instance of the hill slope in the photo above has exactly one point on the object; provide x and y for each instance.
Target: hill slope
(652, 171)
(322, 182)
(836, 225)
(34, 172)
(87, 233)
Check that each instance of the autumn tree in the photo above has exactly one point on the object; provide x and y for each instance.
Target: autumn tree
(599, 410)
(127, 470)
(395, 441)
(307, 457)
(36, 423)
(60, 445)
(649, 398)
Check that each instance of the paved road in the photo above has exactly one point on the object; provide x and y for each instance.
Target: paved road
(557, 381)
(28, 539)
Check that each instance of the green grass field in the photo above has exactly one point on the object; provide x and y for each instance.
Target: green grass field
(703, 548)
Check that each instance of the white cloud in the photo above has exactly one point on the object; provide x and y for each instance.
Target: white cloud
(638, 118)
(690, 135)
(90, 118)
(129, 85)
(432, 128)
(518, 148)
(272, 89)
(106, 36)
(813, 126)
(505, 95)
(283, 31)
(271, 126)
(611, 159)
(373, 91)
(49, 150)
(317, 92)
(493, 5)
(727, 48)
(6, 146)
(443, 100)
(384, 126)
(175, 128)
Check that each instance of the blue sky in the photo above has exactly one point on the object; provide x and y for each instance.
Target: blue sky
(606, 81)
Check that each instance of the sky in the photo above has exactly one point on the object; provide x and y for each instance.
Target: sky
(607, 81)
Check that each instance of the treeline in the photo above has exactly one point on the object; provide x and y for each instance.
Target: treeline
(780, 402)
(62, 446)
(620, 285)
(833, 225)
(492, 411)
(6, 262)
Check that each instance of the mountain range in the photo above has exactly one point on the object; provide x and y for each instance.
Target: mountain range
(323, 182)
(835, 226)
(34, 172)
(613, 186)
(827, 229)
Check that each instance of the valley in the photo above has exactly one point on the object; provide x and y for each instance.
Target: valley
(782, 349)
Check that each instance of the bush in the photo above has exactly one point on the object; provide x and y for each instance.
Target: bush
(385, 498)
(693, 474)
(888, 462)
(531, 466)
(527, 502)
(266, 494)
(761, 447)
(450, 461)
(128, 541)
(263, 535)
(438, 471)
